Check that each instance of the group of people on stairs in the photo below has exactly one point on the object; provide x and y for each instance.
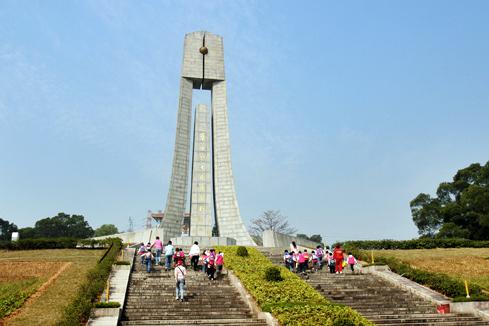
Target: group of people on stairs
(209, 262)
(301, 261)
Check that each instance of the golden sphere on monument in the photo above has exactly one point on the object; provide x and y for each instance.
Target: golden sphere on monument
(204, 50)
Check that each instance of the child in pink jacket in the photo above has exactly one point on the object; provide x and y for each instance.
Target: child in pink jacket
(351, 261)
(219, 262)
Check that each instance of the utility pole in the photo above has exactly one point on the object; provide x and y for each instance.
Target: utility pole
(131, 225)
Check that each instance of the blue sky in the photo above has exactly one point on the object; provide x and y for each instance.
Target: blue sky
(340, 113)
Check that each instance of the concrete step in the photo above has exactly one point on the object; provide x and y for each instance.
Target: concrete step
(433, 319)
(222, 321)
(444, 323)
(431, 316)
(179, 316)
(185, 305)
(376, 311)
(188, 308)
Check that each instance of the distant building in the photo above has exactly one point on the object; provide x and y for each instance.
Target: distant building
(159, 216)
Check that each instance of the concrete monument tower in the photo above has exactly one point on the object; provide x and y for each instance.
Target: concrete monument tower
(212, 176)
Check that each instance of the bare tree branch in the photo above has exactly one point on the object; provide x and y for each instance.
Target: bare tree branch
(270, 220)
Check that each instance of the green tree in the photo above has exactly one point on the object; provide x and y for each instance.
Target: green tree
(426, 214)
(460, 208)
(27, 233)
(452, 230)
(314, 237)
(6, 229)
(63, 225)
(106, 229)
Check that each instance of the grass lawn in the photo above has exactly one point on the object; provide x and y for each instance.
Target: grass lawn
(471, 264)
(24, 272)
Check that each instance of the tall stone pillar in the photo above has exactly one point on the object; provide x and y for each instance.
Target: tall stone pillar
(177, 194)
(201, 221)
(203, 68)
(229, 221)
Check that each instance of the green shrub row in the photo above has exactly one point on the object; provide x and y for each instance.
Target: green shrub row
(95, 244)
(54, 243)
(292, 301)
(439, 282)
(78, 311)
(424, 243)
(40, 243)
(112, 304)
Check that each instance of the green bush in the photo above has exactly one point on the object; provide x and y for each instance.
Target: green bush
(424, 243)
(95, 244)
(112, 304)
(473, 297)
(272, 274)
(292, 301)
(54, 243)
(78, 311)
(122, 262)
(242, 252)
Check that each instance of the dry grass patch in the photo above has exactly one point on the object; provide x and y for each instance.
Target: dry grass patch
(48, 308)
(22, 270)
(462, 263)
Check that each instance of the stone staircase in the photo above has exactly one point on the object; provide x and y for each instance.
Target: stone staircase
(380, 301)
(151, 301)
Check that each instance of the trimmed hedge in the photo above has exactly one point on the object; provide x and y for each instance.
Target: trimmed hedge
(78, 311)
(439, 282)
(272, 274)
(242, 251)
(292, 301)
(40, 243)
(54, 243)
(112, 304)
(95, 244)
(416, 244)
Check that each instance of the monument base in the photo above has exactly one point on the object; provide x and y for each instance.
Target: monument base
(204, 242)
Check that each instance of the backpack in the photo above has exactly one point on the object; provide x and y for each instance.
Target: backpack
(211, 260)
(331, 262)
(319, 252)
(181, 275)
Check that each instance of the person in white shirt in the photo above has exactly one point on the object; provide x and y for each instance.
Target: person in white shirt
(194, 255)
(180, 273)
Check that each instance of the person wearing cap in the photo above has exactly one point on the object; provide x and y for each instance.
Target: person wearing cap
(180, 273)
